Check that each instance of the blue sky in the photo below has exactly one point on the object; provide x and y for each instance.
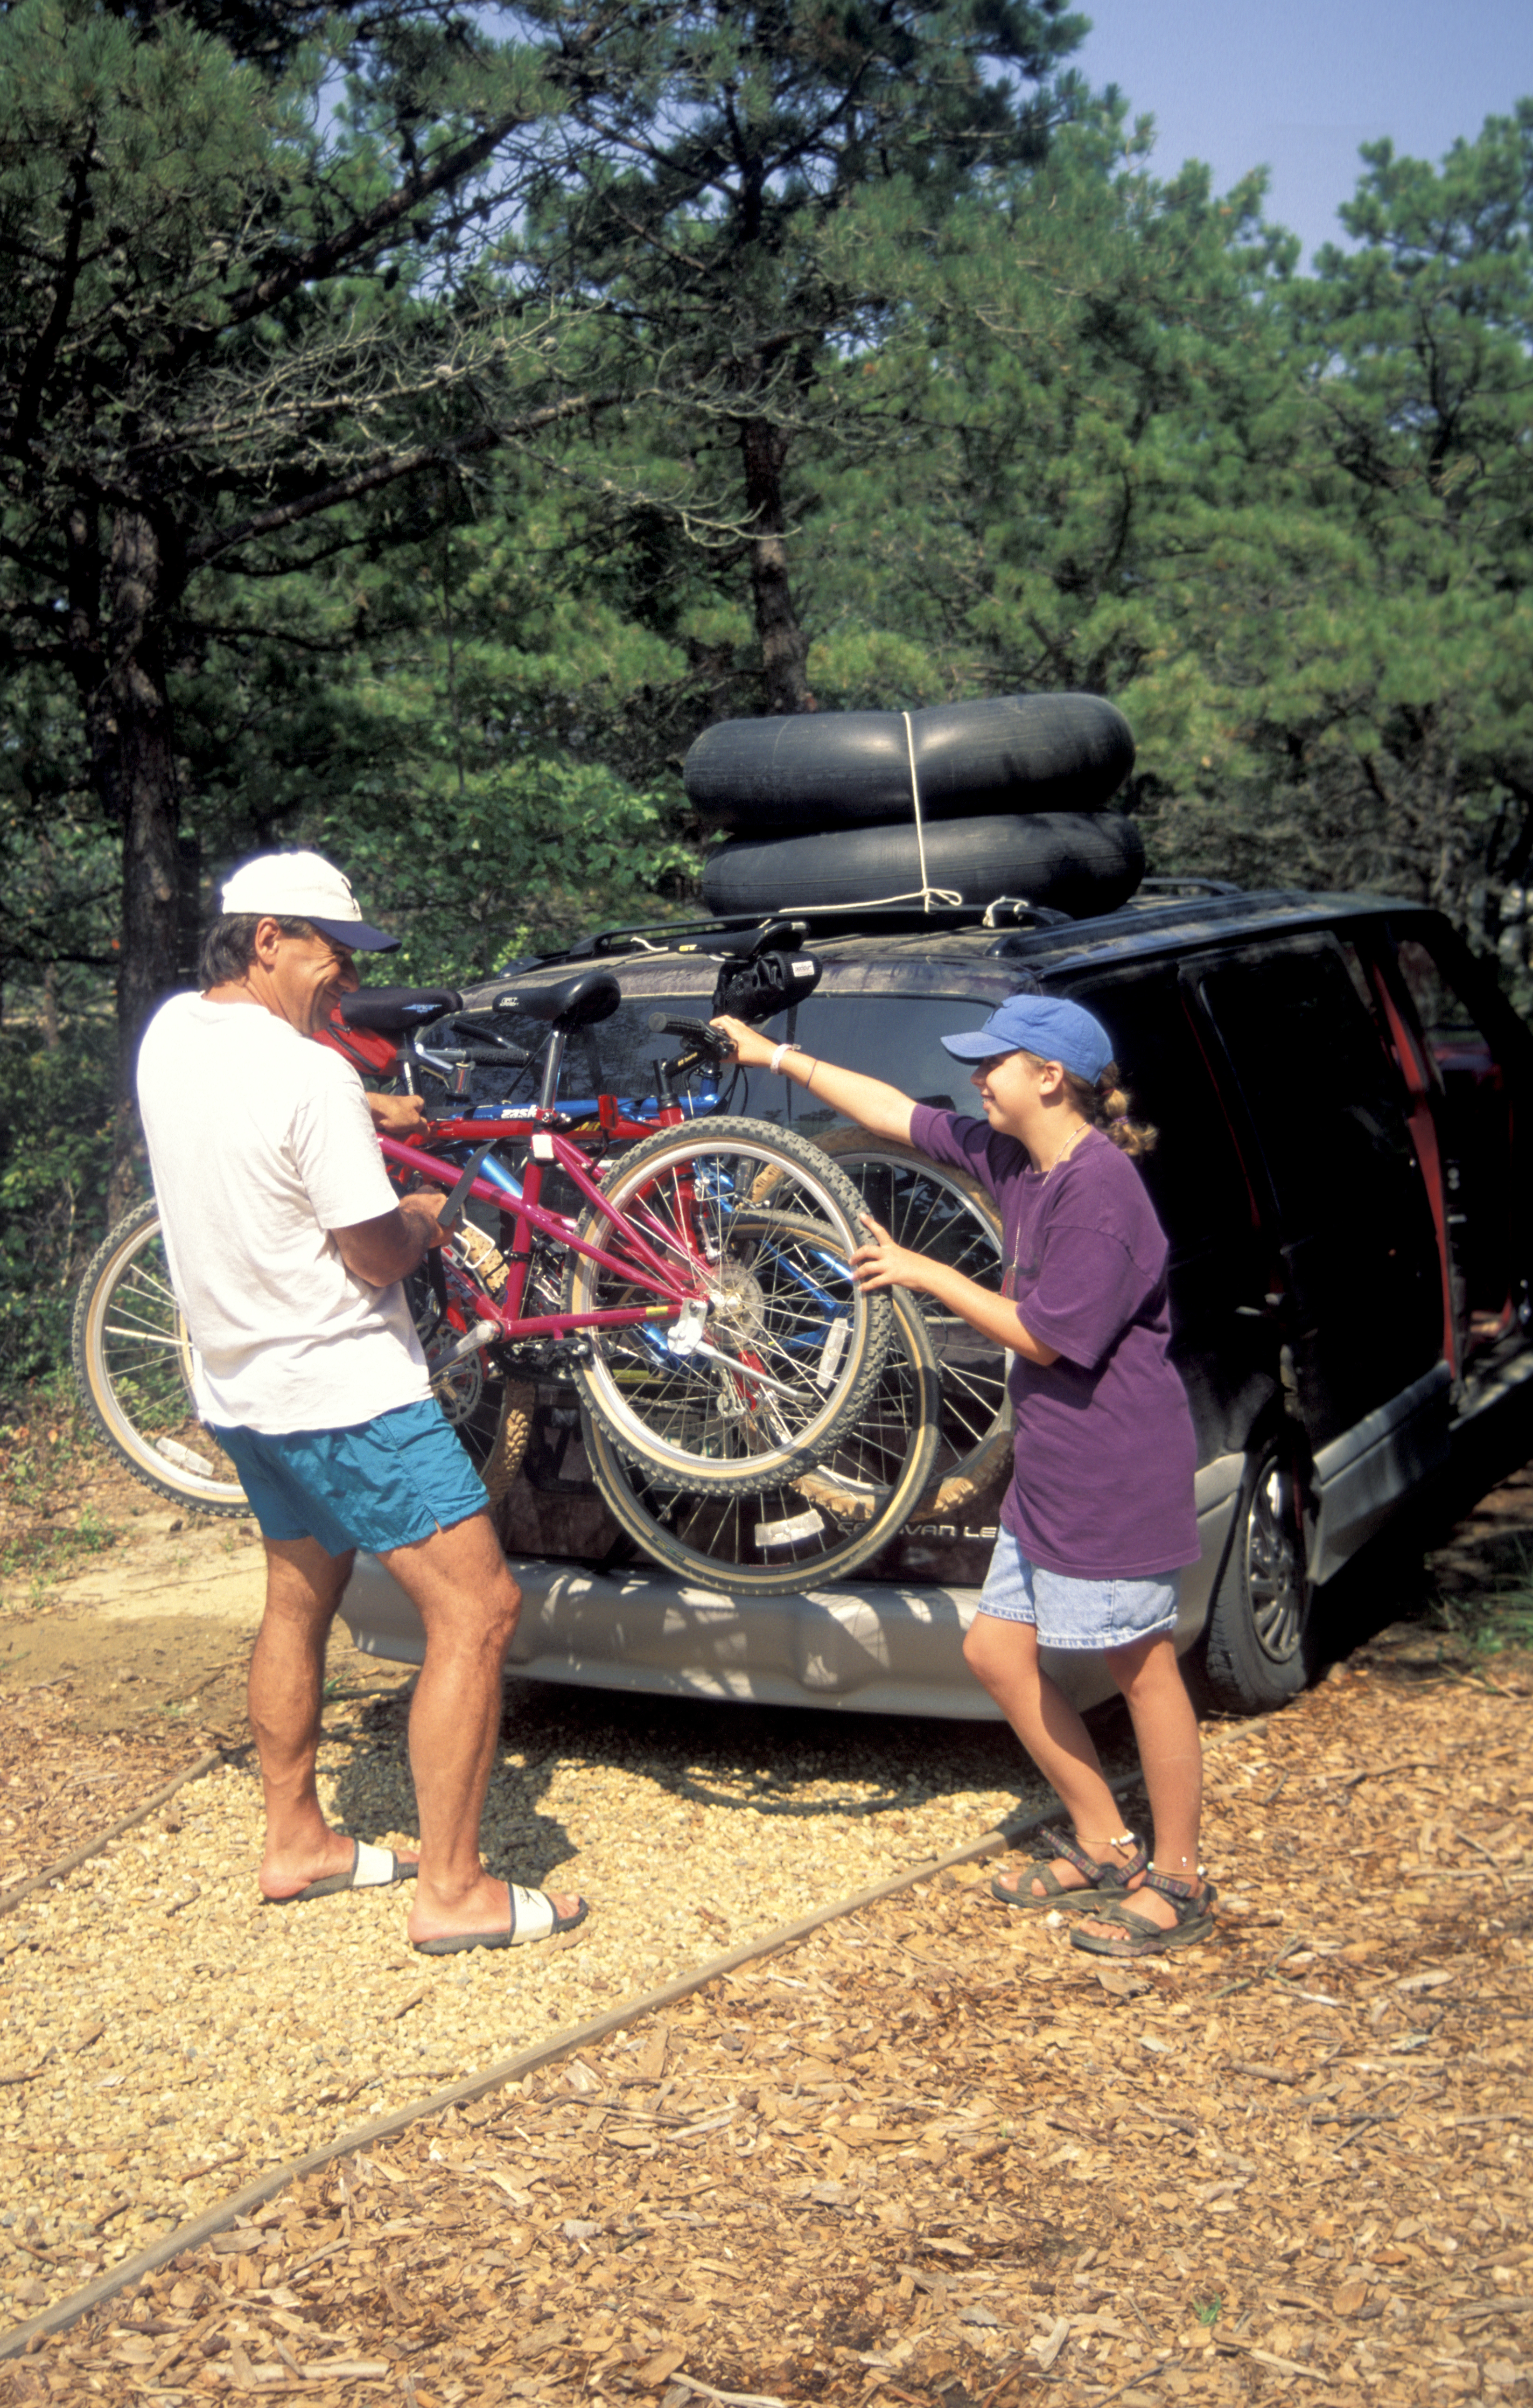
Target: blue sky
(1296, 85)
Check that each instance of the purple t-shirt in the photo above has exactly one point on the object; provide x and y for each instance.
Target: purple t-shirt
(1105, 1447)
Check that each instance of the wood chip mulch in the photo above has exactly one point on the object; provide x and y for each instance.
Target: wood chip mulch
(62, 1787)
(934, 2155)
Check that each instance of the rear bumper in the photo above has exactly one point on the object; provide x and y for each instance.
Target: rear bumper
(870, 1648)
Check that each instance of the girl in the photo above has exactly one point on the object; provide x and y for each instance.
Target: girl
(1100, 1516)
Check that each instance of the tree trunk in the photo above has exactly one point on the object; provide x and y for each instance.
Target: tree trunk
(785, 646)
(127, 713)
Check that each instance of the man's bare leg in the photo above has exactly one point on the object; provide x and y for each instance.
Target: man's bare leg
(304, 1586)
(459, 1585)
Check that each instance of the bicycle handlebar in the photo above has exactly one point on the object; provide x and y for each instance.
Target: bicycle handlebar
(697, 1032)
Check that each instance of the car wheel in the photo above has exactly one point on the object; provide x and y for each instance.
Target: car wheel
(1258, 1648)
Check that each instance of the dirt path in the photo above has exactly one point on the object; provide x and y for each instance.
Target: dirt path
(114, 1679)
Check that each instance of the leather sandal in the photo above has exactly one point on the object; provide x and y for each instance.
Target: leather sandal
(1102, 1880)
(1136, 1935)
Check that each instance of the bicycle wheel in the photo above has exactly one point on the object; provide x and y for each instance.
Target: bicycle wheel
(783, 1351)
(794, 1534)
(936, 1210)
(132, 1360)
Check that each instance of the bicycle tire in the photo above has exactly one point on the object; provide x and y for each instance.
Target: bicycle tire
(691, 1416)
(937, 1210)
(136, 1377)
(135, 1371)
(818, 1527)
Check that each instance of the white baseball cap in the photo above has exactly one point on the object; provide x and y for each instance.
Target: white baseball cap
(305, 887)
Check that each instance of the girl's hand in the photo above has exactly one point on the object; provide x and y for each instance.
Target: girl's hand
(753, 1051)
(882, 1263)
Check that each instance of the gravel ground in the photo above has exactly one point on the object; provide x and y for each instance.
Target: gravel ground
(164, 2037)
(932, 2156)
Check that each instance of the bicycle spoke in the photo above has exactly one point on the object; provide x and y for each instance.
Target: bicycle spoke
(783, 1345)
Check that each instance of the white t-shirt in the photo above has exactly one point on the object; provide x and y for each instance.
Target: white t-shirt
(261, 1143)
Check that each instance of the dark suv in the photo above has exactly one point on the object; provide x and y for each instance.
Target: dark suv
(1344, 1102)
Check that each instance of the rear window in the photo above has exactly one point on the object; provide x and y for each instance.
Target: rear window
(1194, 1175)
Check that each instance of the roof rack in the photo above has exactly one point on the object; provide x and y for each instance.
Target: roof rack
(773, 931)
(1186, 886)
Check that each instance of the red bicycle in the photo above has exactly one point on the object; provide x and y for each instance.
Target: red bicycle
(701, 1301)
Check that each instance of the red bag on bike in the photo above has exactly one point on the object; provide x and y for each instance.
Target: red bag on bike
(367, 1050)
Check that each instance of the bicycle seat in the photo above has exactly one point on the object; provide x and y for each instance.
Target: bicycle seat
(392, 1009)
(577, 1002)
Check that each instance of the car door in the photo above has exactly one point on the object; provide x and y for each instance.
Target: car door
(1473, 1059)
(1329, 1149)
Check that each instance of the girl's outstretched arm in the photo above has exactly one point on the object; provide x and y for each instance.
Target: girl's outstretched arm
(867, 1101)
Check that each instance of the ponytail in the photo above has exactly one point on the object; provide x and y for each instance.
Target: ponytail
(1107, 1106)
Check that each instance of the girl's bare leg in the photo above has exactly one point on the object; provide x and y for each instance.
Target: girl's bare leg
(1004, 1658)
(1166, 1731)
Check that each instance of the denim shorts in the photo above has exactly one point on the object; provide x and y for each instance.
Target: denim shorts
(1083, 1614)
(375, 1485)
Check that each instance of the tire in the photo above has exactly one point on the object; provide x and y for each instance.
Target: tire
(1077, 862)
(941, 1211)
(825, 769)
(1258, 1648)
(770, 1300)
(489, 1415)
(132, 1360)
(816, 1527)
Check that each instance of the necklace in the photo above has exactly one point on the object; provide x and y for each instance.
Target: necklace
(1067, 1148)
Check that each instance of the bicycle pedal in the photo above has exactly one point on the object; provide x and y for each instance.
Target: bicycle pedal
(470, 1343)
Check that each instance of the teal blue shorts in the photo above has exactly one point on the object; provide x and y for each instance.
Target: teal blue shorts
(375, 1485)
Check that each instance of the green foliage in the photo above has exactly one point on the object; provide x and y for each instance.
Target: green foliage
(47, 1446)
(518, 860)
(415, 427)
(1492, 1613)
(55, 1113)
(1284, 523)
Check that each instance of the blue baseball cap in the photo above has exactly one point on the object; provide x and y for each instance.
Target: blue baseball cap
(1044, 1025)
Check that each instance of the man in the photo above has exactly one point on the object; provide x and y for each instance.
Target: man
(287, 1246)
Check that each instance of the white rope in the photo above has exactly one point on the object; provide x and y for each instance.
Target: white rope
(915, 805)
(928, 894)
(924, 895)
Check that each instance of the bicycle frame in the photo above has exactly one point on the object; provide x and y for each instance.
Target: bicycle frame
(641, 1267)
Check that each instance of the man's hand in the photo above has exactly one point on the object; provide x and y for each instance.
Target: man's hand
(399, 1116)
(422, 1212)
(390, 1247)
